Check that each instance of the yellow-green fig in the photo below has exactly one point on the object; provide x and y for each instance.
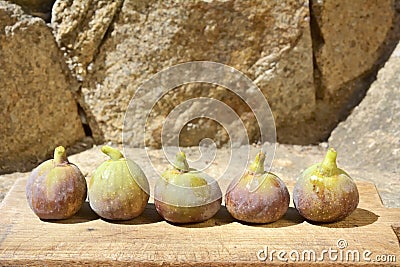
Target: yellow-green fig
(118, 189)
(185, 195)
(258, 196)
(56, 189)
(324, 192)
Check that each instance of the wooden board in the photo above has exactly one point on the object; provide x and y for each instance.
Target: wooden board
(86, 239)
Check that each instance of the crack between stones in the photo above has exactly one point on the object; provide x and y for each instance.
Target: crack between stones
(89, 124)
(317, 41)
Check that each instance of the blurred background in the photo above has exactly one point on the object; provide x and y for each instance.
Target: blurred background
(70, 67)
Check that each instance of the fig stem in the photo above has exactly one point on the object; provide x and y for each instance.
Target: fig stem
(180, 162)
(328, 165)
(60, 156)
(113, 153)
(258, 165)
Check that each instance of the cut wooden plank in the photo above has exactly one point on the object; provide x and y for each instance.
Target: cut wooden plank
(86, 239)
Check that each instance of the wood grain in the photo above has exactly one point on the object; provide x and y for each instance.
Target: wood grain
(147, 240)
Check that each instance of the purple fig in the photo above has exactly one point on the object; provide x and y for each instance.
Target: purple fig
(325, 193)
(56, 189)
(258, 196)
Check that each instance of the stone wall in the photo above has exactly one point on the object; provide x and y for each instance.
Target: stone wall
(313, 61)
(312, 69)
(269, 42)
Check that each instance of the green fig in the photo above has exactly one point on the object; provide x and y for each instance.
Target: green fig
(258, 196)
(118, 189)
(185, 195)
(325, 193)
(56, 189)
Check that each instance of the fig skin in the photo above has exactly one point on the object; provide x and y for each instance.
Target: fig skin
(185, 195)
(325, 193)
(176, 214)
(56, 189)
(258, 196)
(118, 189)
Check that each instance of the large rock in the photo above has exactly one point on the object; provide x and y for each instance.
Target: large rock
(38, 110)
(352, 40)
(115, 46)
(370, 137)
(267, 40)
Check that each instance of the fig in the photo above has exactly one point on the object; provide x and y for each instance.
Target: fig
(56, 189)
(186, 195)
(118, 188)
(258, 196)
(325, 193)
